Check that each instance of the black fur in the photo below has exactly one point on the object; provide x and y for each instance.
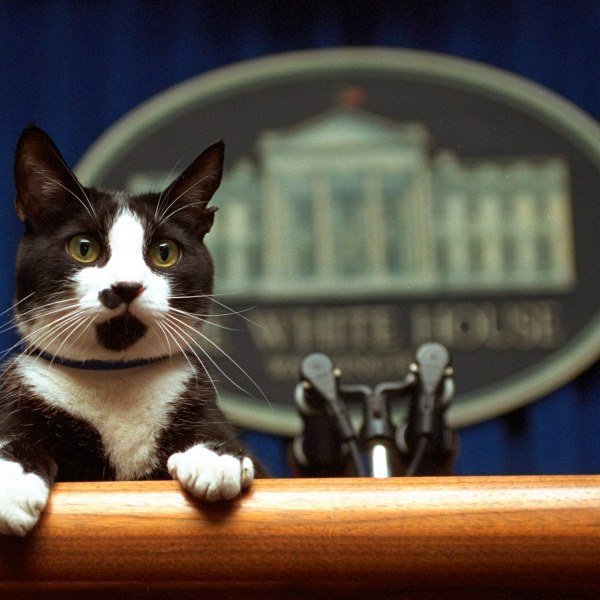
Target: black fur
(120, 332)
(61, 447)
(49, 441)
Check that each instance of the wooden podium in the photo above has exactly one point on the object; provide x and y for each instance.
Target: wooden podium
(451, 537)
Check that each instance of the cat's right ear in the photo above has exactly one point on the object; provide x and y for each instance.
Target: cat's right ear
(43, 180)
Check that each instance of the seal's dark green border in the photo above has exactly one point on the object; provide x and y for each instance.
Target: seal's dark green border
(543, 105)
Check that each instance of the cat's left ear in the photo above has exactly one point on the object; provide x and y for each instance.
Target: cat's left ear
(194, 188)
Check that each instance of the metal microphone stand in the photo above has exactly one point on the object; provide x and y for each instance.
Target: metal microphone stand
(382, 448)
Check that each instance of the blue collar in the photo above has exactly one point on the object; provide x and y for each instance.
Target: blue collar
(97, 365)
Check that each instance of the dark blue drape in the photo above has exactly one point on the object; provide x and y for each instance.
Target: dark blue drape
(76, 67)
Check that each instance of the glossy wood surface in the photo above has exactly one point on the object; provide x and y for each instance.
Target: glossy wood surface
(332, 538)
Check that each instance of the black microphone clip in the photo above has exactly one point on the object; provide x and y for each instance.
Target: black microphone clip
(425, 437)
(318, 394)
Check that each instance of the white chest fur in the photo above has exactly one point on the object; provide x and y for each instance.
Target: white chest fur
(128, 408)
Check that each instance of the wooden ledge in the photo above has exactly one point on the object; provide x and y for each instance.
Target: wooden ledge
(421, 537)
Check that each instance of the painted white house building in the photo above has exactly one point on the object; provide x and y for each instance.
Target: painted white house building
(353, 204)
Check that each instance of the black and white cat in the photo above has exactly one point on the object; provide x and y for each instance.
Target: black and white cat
(111, 292)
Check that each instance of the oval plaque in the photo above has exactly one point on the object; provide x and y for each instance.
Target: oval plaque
(375, 199)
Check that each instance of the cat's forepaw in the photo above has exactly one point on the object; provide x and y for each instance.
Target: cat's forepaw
(23, 497)
(211, 476)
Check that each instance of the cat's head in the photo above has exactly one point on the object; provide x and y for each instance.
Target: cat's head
(104, 275)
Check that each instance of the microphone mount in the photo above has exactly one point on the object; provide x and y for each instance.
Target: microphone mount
(382, 447)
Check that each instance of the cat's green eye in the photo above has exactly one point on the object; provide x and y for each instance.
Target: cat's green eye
(83, 249)
(164, 254)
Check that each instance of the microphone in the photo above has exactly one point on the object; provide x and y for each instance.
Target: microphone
(318, 449)
(328, 429)
(425, 434)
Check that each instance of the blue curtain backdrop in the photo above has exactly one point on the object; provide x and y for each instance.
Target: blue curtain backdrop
(76, 67)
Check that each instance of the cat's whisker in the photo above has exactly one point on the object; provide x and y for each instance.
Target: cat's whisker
(170, 350)
(168, 333)
(171, 318)
(15, 304)
(164, 214)
(11, 324)
(176, 334)
(191, 344)
(48, 302)
(166, 189)
(52, 331)
(168, 337)
(185, 207)
(78, 184)
(8, 351)
(239, 313)
(37, 316)
(33, 345)
(167, 215)
(56, 321)
(204, 295)
(47, 309)
(189, 297)
(205, 320)
(8, 327)
(87, 205)
(84, 321)
(230, 311)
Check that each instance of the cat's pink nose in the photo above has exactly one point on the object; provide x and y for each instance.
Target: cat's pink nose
(128, 291)
(119, 293)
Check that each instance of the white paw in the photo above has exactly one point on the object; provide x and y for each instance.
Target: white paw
(23, 497)
(211, 476)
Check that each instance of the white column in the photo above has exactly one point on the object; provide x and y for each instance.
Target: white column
(490, 225)
(457, 235)
(525, 225)
(375, 223)
(324, 230)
